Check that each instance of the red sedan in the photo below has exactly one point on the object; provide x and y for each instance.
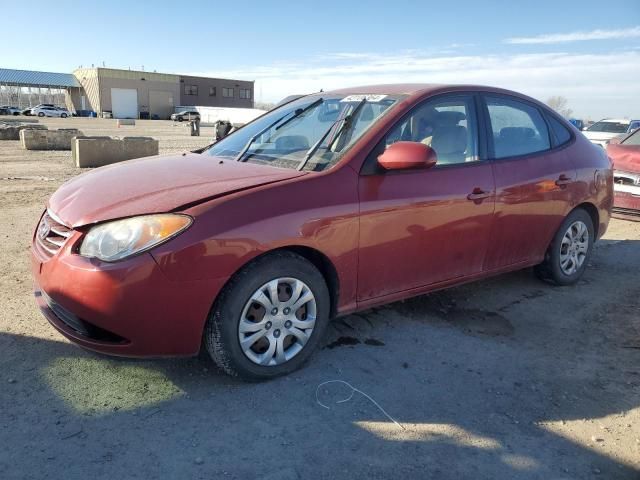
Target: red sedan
(626, 174)
(331, 203)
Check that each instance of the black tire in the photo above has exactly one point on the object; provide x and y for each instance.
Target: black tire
(15, 114)
(180, 119)
(550, 269)
(41, 114)
(221, 331)
(63, 115)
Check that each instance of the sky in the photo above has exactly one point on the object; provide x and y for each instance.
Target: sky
(587, 51)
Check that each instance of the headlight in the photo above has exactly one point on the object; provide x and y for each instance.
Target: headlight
(120, 239)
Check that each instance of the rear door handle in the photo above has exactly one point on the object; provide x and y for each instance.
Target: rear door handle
(478, 195)
(563, 180)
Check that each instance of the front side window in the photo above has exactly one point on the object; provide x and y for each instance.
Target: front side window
(227, 92)
(517, 128)
(446, 124)
(633, 139)
(311, 133)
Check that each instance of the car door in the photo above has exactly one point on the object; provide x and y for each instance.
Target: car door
(422, 227)
(534, 177)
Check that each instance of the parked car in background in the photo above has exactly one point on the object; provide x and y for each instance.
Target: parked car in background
(579, 124)
(626, 174)
(9, 110)
(333, 203)
(601, 132)
(28, 111)
(185, 115)
(46, 111)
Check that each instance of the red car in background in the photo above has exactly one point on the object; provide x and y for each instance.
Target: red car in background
(331, 203)
(626, 173)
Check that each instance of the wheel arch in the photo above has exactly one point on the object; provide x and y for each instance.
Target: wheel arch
(314, 256)
(592, 210)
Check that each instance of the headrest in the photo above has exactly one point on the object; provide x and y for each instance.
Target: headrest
(449, 118)
(292, 142)
(448, 140)
(516, 134)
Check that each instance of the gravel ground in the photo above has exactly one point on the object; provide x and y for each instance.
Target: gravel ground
(504, 378)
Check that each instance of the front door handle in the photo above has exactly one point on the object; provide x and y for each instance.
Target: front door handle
(563, 180)
(478, 195)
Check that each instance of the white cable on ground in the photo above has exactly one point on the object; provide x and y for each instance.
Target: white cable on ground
(354, 390)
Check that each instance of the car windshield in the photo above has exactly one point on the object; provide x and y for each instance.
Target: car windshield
(608, 127)
(311, 133)
(633, 139)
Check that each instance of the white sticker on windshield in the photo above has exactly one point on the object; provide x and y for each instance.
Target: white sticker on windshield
(359, 98)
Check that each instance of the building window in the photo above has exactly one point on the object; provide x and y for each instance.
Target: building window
(245, 93)
(227, 92)
(212, 91)
(191, 90)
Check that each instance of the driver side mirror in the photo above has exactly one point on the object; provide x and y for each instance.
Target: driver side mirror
(408, 155)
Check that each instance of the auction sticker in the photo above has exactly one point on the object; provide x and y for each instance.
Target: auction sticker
(359, 98)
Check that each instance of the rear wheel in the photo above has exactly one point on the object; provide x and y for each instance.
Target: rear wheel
(269, 319)
(568, 255)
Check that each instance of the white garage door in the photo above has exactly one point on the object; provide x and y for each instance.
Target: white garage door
(124, 102)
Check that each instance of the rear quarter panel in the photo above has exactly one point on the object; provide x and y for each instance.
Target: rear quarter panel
(594, 179)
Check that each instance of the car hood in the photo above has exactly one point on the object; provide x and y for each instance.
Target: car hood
(155, 185)
(625, 157)
(601, 136)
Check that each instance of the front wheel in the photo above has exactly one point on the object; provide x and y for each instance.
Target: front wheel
(180, 119)
(568, 255)
(64, 115)
(269, 319)
(41, 114)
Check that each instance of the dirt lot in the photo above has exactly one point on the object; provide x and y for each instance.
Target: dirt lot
(505, 378)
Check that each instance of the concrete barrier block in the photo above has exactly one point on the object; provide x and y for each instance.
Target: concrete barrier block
(61, 139)
(138, 147)
(12, 132)
(125, 121)
(99, 151)
(12, 121)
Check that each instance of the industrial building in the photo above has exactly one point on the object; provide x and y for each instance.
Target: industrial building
(122, 93)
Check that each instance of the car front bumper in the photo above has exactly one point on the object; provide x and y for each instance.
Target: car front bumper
(626, 202)
(129, 308)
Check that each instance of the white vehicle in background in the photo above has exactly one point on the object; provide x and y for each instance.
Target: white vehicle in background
(50, 111)
(602, 132)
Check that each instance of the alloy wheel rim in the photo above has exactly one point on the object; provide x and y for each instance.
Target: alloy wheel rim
(277, 321)
(574, 247)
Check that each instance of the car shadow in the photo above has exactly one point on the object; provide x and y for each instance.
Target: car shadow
(503, 378)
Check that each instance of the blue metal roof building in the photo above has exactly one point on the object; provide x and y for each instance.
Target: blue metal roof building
(30, 78)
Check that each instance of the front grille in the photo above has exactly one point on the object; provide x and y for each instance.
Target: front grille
(51, 234)
(627, 212)
(626, 178)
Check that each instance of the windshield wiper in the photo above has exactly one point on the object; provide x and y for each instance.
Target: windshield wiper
(348, 120)
(296, 113)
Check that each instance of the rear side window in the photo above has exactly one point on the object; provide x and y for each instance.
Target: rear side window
(560, 132)
(517, 127)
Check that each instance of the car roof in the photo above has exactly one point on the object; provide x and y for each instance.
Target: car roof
(417, 90)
